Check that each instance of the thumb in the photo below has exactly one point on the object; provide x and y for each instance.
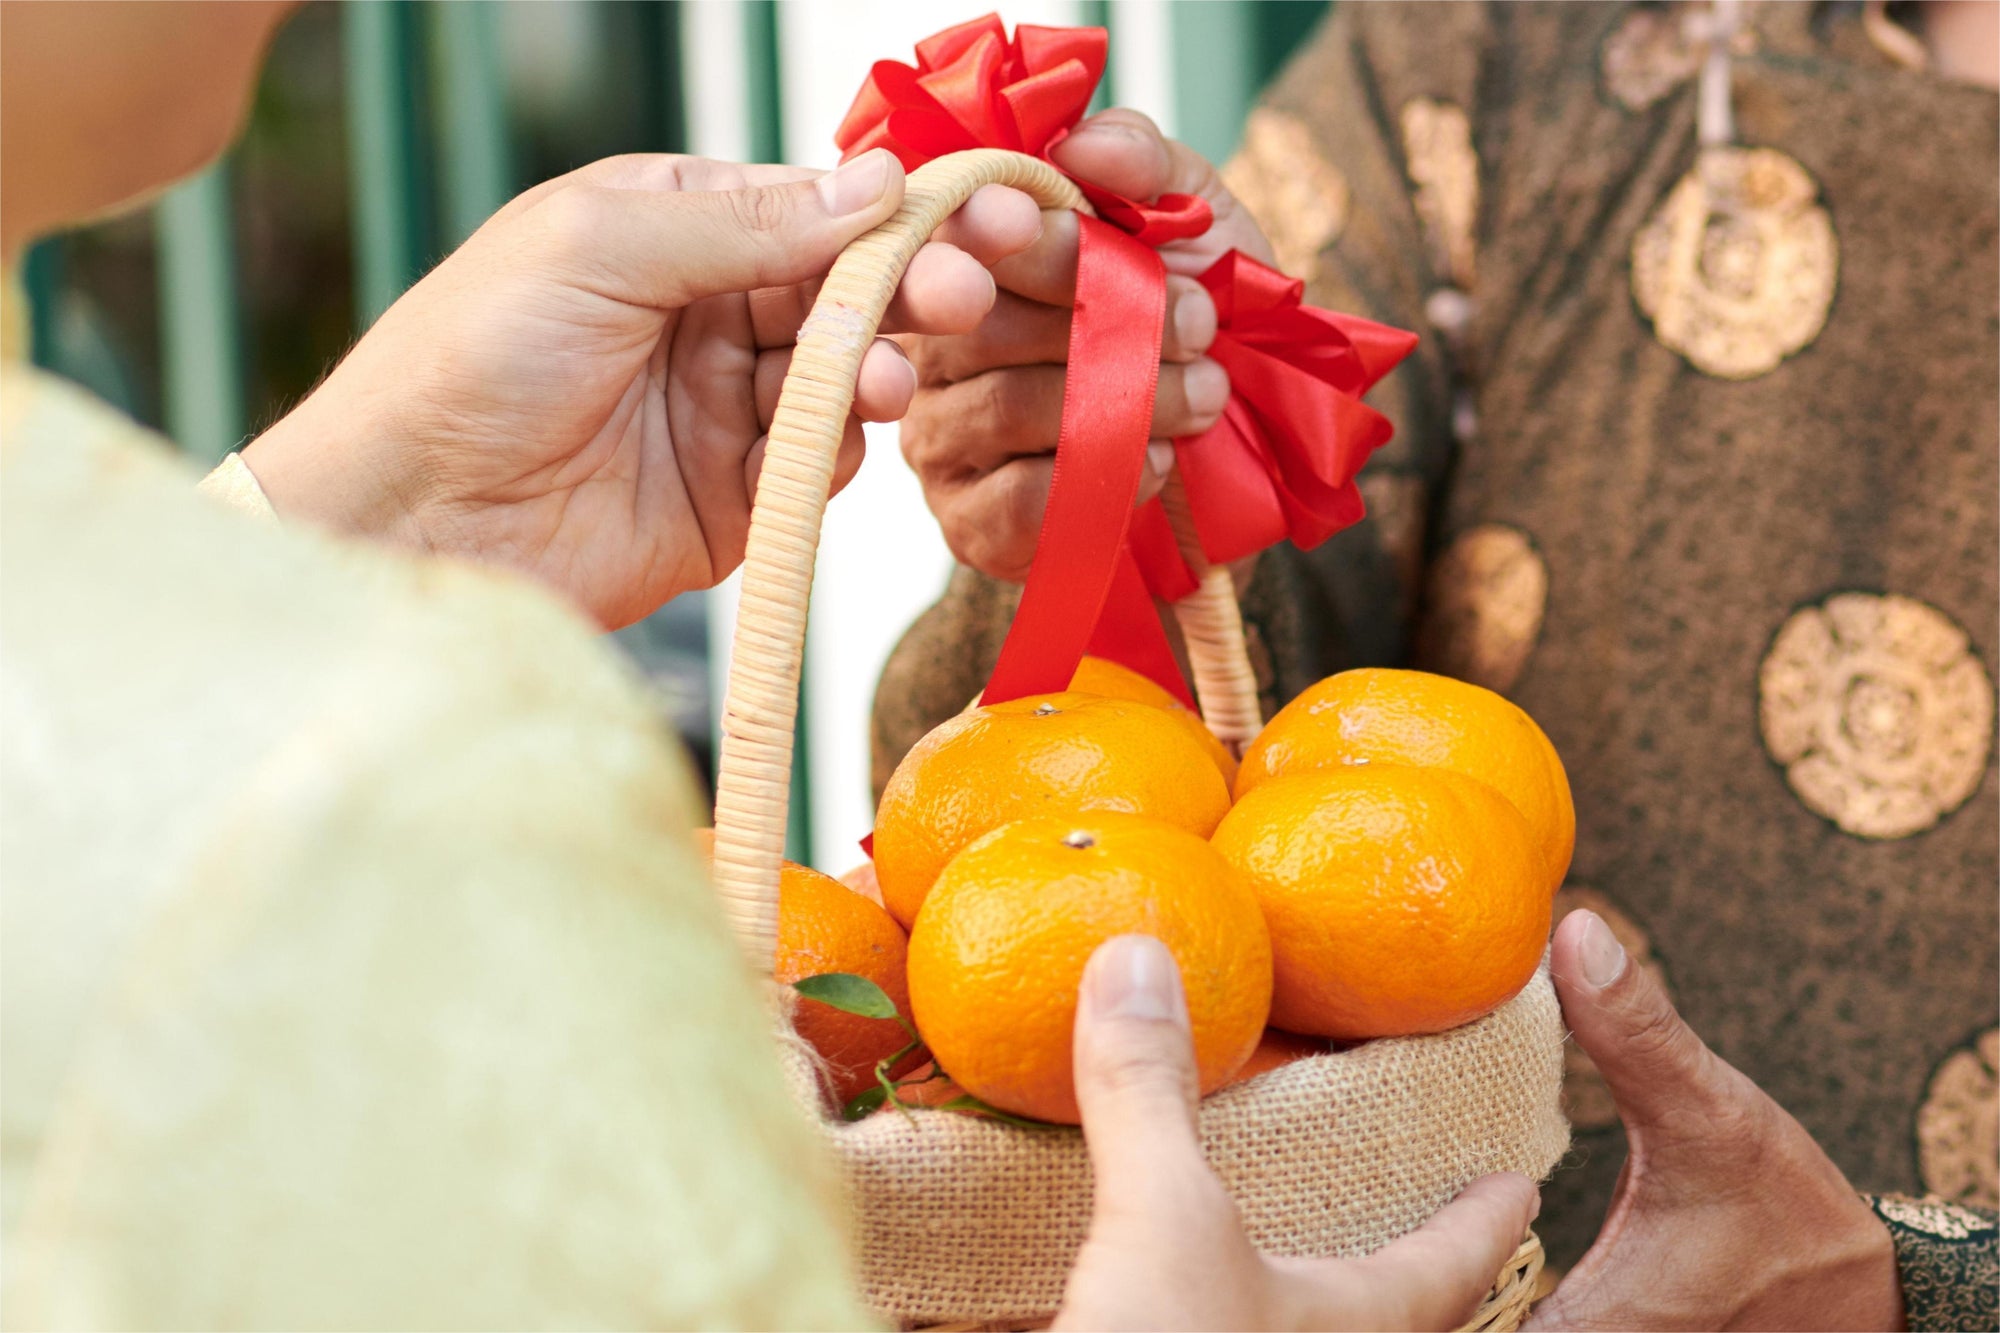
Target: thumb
(1659, 1072)
(1135, 1073)
(1435, 1276)
(667, 248)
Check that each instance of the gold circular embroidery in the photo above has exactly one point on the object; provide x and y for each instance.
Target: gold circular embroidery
(1487, 593)
(1958, 1126)
(1737, 268)
(1586, 1100)
(1879, 712)
(1933, 1217)
(1296, 195)
(1438, 153)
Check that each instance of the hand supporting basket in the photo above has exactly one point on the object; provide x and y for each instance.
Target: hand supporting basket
(760, 709)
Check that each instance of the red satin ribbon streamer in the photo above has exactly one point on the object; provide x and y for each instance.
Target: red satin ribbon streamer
(1114, 360)
(1280, 464)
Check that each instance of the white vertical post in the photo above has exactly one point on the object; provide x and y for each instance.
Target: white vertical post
(1142, 53)
(715, 52)
(881, 557)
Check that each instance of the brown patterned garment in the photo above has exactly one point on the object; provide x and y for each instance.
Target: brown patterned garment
(1698, 463)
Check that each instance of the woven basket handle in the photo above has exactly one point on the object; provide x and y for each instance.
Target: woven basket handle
(759, 712)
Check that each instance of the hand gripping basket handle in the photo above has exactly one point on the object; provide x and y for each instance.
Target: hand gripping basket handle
(752, 787)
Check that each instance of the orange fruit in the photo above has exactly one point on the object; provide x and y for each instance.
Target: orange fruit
(1401, 900)
(1276, 1048)
(1001, 943)
(1043, 754)
(825, 926)
(1379, 716)
(1114, 680)
(862, 880)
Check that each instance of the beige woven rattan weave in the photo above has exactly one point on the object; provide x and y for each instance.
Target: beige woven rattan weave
(760, 708)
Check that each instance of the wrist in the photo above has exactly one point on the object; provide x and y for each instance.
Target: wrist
(339, 470)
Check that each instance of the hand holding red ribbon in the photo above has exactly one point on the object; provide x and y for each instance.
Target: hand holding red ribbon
(1279, 464)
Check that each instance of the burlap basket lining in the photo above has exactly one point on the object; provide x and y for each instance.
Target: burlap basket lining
(957, 1218)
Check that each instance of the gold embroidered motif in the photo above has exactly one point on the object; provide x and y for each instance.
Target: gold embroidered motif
(1395, 503)
(1933, 1217)
(1296, 195)
(1653, 52)
(1879, 712)
(1958, 1126)
(1444, 169)
(1737, 267)
(1586, 1100)
(1487, 593)
(1647, 58)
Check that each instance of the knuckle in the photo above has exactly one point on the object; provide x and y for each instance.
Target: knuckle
(1736, 1112)
(931, 356)
(1141, 1055)
(571, 217)
(996, 402)
(758, 208)
(1020, 518)
(924, 437)
(988, 541)
(1659, 1036)
(978, 545)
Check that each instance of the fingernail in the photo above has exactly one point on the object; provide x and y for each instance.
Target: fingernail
(855, 185)
(1105, 129)
(1535, 1206)
(1133, 976)
(1194, 321)
(1160, 457)
(1602, 955)
(1207, 387)
(909, 366)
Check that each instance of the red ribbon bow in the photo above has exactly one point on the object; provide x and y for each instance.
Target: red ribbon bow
(973, 88)
(1280, 464)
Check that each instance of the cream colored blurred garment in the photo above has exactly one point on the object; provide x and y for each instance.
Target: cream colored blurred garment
(355, 970)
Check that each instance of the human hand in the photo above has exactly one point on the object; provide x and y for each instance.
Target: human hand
(1166, 1248)
(981, 434)
(1727, 1214)
(581, 390)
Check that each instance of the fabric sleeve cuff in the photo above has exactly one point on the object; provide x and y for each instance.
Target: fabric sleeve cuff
(1948, 1257)
(235, 485)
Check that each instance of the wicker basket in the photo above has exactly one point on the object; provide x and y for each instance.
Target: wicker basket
(965, 1221)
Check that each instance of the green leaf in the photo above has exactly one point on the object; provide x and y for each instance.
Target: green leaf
(848, 993)
(971, 1105)
(864, 1103)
